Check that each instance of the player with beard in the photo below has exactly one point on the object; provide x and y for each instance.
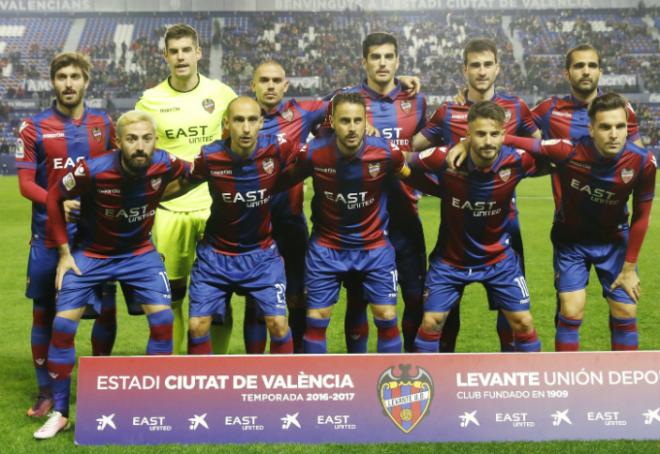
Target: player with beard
(188, 108)
(449, 124)
(473, 241)
(119, 194)
(50, 143)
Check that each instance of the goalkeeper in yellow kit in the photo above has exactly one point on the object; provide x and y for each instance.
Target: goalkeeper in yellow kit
(188, 109)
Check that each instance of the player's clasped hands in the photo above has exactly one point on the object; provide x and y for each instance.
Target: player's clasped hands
(71, 210)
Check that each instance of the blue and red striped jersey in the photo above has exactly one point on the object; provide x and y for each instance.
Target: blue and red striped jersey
(51, 143)
(475, 205)
(292, 121)
(242, 192)
(349, 209)
(398, 116)
(117, 209)
(591, 191)
(449, 122)
(567, 118)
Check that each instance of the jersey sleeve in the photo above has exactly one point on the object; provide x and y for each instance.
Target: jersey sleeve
(399, 166)
(112, 140)
(526, 127)
(178, 167)
(26, 152)
(645, 188)
(76, 182)
(556, 150)
(527, 163)
(199, 170)
(641, 208)
(633, 126)
(431, 160)
(434, 127)
(541, 117)
(424, 108)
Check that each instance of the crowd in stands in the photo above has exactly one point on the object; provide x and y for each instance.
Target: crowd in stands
(327, 47)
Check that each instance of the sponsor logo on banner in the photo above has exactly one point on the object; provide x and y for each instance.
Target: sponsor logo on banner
(244, 422)
(560, 417)
(374, 169)
(468, 418)
(651, 416)
(627, 175)
(154, 423)
(269, 165)
(515, 419)
(155, 183)
(69, 181)
(97, 133)
(607, 418)
(405, 398)
(209, 105)
(105, 421)
(290, 420)
(287, 114)
(406, 106)
(504, 174)
(198, 421)
(337, 422)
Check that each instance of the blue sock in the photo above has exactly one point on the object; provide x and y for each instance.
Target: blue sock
(526, 342)
(427, 342)
(624, 333)
(61, 359)
(389, 337)
(314, 340)
(567, 335)
(160, 333)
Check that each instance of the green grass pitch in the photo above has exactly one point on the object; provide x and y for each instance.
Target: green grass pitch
(17, 383)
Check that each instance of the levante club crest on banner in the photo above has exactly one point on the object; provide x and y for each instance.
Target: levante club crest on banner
(405, 398)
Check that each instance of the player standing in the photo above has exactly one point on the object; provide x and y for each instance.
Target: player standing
(449, 124)
(188, 109)
(397, 114)
(237, 253)
(50, 143)
(350, 173)
(119, 195)
(473, 241)
(594, 179)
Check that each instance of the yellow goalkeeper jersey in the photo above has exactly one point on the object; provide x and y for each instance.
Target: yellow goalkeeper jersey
(185, 121)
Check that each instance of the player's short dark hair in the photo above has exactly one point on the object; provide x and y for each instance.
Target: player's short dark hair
(608, 101)
(350, 98)
(581, 48)
(270, 61)
(378, 39)
(177, 31)
(488, 110)
(479, 45)
(64, 59)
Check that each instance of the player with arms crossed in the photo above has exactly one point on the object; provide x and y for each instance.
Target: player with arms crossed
(473, 241)
(237, 253)
(50, 143)
(594, 179)
(188, 109)
(350, 173)
(449, 124)
(119, 195)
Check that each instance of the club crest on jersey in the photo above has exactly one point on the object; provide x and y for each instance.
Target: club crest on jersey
(269, 165)
(287, 114)
(374, 169)
(209, 105)
(504, 174)
(406, 399)
(406, 106)
(97, 134)
(79, 172)
(507, 115)
(627, 175)
(155, 183)
(69, 181)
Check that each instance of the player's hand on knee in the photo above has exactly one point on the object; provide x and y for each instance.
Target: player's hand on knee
(71, 210)
(629, 281)
(65, 264)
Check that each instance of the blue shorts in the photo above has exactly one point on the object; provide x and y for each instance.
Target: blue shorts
(572, 262)
(215, 276)
(504, 282)
(410, 248)
(143, 276)
(291, 237)
(325, 268)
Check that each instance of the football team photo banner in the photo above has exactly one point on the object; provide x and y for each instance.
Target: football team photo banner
(368, 398)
